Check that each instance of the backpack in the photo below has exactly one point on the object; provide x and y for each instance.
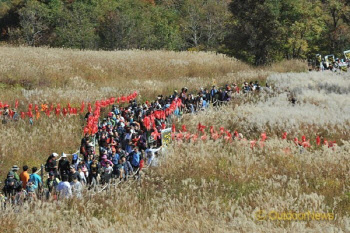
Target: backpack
(10, 183)
(46, 167)
(75, 157)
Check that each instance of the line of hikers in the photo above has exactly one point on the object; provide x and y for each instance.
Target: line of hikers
(122, 146)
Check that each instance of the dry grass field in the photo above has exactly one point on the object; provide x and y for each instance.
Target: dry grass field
(207, 186)
(42, 75)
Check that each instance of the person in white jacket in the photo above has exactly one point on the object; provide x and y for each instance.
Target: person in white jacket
(150, 155)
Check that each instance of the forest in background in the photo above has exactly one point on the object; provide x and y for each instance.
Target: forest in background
(258, 32)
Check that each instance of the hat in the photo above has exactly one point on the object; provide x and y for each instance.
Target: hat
(64, 155)
(15, 168)
(51, 174)
(54, 154)
(104, 156)
(110, 114)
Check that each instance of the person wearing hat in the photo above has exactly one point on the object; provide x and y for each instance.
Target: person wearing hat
(15, 168)
(63, 165)
(10, 185)
(51, 163)
(24, 176)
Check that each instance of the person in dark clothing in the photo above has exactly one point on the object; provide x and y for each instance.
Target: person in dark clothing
(73, 174)
(94, 171)
(51, 164)
(213, 92)
(63, 165)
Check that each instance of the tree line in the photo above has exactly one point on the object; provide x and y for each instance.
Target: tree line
(256, 31)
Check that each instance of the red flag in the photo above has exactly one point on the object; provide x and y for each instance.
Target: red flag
(23, 115)
(201, 127)
(11, 113)
(111, 100)
(228, 136)
(183, 128)
(263, 137)
(64, 111)
(86, 130)
(155, 134)
(123, 99)
(89, 107)
(222, 130)
(252, 144)
(173, 128)
(82, 107)
(57, 111)
(296, 141)
(303, 138)
(212, 130)
(147, 122)
(194, 137)
(142, 164)
(30, 107)
(30, 114)
(318, 140)
(16, 104)
(179, 136)
(284, 135)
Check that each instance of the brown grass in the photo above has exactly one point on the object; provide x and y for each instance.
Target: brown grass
(204, 187)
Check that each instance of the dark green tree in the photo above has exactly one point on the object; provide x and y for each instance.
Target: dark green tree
(255, 31)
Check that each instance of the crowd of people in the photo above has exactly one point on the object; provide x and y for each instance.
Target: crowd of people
(331, 63)
(123, 145)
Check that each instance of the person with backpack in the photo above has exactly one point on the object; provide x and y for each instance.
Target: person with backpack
(51, 164)
(11, 185)
(51, 184)
(15, 168)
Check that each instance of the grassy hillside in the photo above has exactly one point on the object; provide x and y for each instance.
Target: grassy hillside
(204, 187)
(42, 75)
